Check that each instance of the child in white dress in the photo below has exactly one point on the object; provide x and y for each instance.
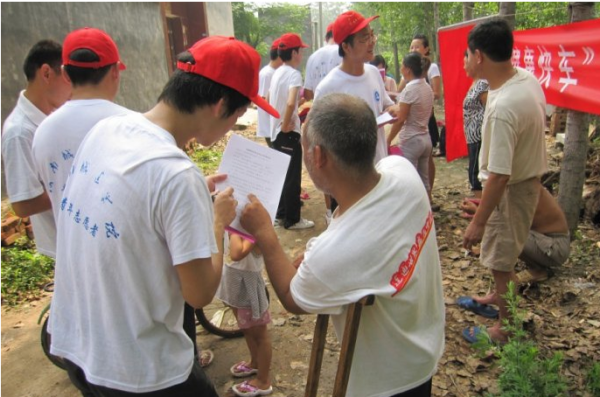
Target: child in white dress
(243, 288)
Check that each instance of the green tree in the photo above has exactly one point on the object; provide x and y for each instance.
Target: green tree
(254, 24)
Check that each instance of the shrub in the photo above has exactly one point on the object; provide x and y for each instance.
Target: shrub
(524, 372)
(24, 272)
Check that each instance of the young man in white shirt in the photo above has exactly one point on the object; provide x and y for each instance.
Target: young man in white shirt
(91, 63)
(356, 40)
(46, 91)
(389, 253)
(284, 96)
(263, 128)
(512, 161)
(138, 233)
(320, 63)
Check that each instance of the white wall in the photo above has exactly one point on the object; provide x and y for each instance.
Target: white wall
(220, 19)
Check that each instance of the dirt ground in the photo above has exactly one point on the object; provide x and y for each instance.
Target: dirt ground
(562, 315)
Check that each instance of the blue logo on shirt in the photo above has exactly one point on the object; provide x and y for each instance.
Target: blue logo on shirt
(377, 96)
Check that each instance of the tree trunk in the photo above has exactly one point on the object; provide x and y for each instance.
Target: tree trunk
(467, 11)
(436, 26)
(396, 61)
(572, 173)
(508, 11)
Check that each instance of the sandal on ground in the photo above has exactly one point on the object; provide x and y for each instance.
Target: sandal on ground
(206, 358)
(242, 370)
(468, 303)
(525, 277)
(471, 334)
(474, 200)
(245, 389)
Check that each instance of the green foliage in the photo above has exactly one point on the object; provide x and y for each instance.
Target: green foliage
(253, 23)
(207, 159)
(531, 15)
(24, 272)
(593, 380)
(400, 21)
(524, 372)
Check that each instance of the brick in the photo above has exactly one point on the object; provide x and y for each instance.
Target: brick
(10, 222)
(11, 239)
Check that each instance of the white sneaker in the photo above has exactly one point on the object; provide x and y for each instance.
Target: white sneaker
(277, 223)
(302, 224)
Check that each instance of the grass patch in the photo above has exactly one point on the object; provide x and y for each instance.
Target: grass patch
(24, 272)
(207, 159)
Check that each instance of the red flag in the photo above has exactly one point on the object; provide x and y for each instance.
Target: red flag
(453, 44)
(565, 59)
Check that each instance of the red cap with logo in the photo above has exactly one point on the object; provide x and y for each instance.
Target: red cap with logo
(349, 23)
(95, 40)
(275, 44)
(291, 40)
(230, 62)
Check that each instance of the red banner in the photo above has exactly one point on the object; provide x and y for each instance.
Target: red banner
(565, 59)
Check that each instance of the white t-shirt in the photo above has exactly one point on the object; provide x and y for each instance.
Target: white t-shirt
(134, 208)
(22, 180)
(369, 86)
(367, 250)
(512, 135)
(263, 128)
(320, 63)
(284, 78)
(57, 139)
(434, 71)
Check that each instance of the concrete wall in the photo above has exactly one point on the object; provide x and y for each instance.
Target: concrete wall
(136, 28)
(220, 19)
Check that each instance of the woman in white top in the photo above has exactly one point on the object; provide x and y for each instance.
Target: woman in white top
(415, 104)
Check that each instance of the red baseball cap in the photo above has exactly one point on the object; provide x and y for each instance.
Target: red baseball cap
(230, 62)
(95, 40)
(291, 40)
(275, 44)
(349, 23)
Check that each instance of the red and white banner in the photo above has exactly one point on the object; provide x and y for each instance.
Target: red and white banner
(565, 59)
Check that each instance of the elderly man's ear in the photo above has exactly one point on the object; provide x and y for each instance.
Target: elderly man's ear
(320, 157)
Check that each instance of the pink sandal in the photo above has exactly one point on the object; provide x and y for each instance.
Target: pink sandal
(242, 370)
(245, 389)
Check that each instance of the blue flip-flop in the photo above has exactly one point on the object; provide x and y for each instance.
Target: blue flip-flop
(468, 303)
(472, 337)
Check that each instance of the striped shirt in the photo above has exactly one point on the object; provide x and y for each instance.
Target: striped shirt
(473, 111)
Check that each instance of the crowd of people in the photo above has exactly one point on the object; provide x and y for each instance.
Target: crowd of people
(138, 232)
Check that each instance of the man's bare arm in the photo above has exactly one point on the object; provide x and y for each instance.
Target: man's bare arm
(32, 206)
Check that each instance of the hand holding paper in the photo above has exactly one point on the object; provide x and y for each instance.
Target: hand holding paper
(254, 216)
(256, 169)
(225, 207)
(385, 118)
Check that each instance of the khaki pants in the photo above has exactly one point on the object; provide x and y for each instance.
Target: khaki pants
(546, 251)
(508, 227)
